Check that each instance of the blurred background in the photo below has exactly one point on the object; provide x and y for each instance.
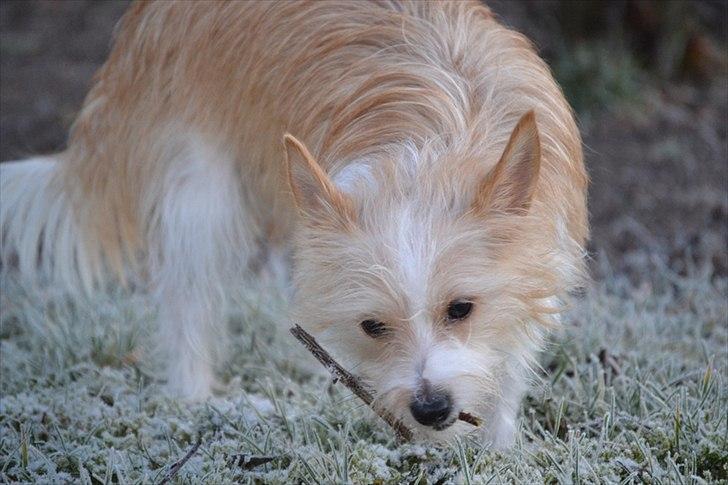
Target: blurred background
(648, 80)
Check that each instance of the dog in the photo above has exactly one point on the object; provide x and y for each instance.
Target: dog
(414, 164)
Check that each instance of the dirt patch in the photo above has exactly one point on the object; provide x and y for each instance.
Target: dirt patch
(49, 51)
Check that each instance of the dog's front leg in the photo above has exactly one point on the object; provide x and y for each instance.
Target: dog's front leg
(201, 241)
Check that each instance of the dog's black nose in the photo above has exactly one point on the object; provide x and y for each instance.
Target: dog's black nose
(431, 408)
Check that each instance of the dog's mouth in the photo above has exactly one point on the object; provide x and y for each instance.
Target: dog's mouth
(447, 423)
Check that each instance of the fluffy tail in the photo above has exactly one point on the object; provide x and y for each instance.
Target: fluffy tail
(40, 235)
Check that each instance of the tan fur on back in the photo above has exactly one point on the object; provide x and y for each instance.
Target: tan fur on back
(349, 79)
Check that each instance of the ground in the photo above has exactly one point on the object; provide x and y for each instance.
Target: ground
(632, 389)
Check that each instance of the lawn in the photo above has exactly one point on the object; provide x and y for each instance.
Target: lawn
(632, 389)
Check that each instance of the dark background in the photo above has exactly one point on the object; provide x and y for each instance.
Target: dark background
(647, 78)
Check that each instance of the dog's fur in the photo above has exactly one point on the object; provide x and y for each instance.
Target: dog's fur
(442, 163)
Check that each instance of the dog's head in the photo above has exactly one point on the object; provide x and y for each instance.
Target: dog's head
(424, 275)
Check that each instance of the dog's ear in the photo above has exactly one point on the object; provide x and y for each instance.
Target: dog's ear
(313, 190)
(510, 186)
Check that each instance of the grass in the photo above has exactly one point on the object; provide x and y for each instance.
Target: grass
(633, 390)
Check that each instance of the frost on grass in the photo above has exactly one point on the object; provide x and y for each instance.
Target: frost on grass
(634, 388)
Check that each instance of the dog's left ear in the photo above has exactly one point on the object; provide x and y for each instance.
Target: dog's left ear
(510, 185)
(313, 190)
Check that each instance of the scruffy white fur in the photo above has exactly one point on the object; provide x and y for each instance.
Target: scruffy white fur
(434, 161)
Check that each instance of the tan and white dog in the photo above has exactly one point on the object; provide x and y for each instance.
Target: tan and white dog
(416, 158)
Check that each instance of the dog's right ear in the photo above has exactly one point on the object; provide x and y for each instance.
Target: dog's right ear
(313, 190)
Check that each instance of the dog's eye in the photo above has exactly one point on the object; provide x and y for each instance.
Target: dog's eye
(373, 328)
(459, 309)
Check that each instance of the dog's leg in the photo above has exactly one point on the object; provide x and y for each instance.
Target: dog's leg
(200, 241)
(503, 429)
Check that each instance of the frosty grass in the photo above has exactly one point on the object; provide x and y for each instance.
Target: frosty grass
(633, 390)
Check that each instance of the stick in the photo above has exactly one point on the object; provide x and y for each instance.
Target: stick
(351, 381)
(248, 462)
(178, 465)
(470, 419)
(356, 386)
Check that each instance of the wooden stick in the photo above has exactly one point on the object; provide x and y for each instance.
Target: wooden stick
(178, 465)
(351, 381)
(470, 419)
(355, 385)
(248, 462)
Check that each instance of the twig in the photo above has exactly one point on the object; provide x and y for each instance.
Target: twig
(470, 419)
(248, 462)
(178, 465)
(355, 385)
(351, 381)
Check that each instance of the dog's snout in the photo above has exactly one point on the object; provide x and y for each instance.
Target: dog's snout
(431, 408)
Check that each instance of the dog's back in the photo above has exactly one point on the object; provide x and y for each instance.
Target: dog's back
(177, 156)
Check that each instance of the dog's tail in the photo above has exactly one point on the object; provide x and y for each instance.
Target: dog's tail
(41, 237)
